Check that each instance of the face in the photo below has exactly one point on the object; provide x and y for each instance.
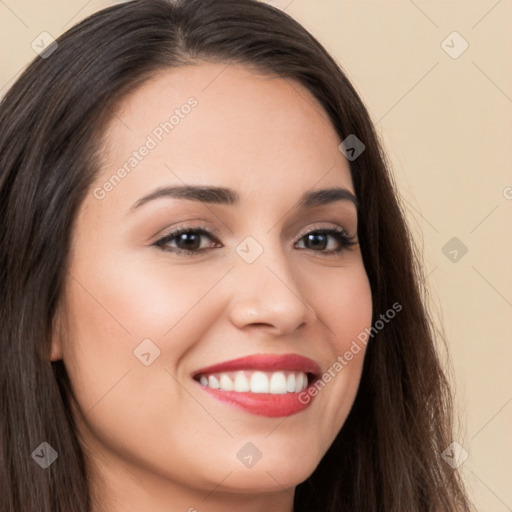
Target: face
(193, 320)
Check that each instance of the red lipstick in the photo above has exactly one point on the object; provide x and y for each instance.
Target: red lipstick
(262, 403)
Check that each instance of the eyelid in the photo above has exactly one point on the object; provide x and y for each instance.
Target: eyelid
(324, 227)
(187, 226)
(215, 232)
(336, 231)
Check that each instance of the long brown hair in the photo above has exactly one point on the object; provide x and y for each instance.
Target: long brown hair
(387, 456)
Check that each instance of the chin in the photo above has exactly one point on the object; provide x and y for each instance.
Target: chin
(270, 477)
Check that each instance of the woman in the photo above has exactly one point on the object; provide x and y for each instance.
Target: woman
(210, 299)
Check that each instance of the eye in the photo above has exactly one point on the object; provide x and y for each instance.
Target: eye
(188, 240)
(318, 240)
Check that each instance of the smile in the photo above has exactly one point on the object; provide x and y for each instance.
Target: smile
(263, 384)
(275, 383)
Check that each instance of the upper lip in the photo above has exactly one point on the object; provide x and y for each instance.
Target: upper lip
(264, 362)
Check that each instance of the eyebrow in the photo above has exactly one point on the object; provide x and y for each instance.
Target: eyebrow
(226, 196)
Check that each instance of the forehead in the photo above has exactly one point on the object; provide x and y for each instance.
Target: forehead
(222, 124)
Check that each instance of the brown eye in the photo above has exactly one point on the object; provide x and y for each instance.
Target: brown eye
(318, 240)
(185, 240)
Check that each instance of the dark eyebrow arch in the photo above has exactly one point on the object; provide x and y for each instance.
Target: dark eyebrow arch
(226, 196)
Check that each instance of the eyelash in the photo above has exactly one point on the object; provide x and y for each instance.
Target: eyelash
(345, 241)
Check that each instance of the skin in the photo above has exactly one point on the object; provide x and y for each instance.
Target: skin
(153, 439)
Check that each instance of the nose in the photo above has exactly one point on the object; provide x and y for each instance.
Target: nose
(266, 294)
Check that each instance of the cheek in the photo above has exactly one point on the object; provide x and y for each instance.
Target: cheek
(121, 398)
(346, 310)
(115, 304)
(134, 299)
(345, 305)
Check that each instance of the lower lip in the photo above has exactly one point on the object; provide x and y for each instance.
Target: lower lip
(264, 404)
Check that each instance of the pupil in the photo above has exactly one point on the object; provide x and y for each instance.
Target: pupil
(315, 239)
(190, 240)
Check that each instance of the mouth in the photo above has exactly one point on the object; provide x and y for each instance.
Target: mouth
(263, 384)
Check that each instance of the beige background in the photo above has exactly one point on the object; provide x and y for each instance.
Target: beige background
(446, 124)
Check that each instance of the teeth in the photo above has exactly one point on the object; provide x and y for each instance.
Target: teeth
(299, 382)
(259, 383)
(213, 382)
(242, 383)
(278, 383)
(275, 383)
(226, 384)
(290, 383)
